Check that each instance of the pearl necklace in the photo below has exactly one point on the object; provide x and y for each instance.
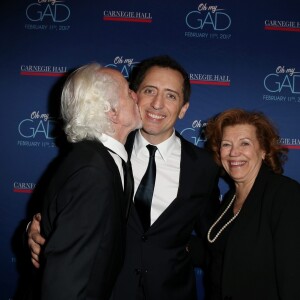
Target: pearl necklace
(225, 225)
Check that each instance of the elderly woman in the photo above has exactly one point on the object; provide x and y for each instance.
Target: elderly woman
(254, 243)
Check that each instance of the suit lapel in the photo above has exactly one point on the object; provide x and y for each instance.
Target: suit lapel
(253, 203)
(184, 189)
(133, 220)
(117, 178)
(245, 230)
(186, 169)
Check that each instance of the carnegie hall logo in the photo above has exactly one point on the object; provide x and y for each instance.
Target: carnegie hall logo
(208, 22)
(282, 85)
(290, 143)
(36, 130)
(47, 15)
(209, 79)
(282, 25)
(123, 64)
(127, 16)
(195, 132)
(37, 70)
(23, 187)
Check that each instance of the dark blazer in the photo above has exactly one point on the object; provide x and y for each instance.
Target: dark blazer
(262, 255)
(84, 225)
(157, 265)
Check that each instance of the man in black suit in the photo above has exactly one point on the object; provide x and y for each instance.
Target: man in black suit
(84, 210)
(185, 197)
(157, 265)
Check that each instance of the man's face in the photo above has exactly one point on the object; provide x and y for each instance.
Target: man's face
(160, 100)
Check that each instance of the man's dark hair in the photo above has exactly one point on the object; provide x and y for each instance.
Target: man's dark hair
(163, 61)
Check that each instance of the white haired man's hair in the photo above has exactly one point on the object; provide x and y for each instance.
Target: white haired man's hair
(87, 96)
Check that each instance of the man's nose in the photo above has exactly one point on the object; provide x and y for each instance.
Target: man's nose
(157, 101)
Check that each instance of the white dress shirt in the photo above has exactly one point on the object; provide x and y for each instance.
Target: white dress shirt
(118, 152)
(167, 159)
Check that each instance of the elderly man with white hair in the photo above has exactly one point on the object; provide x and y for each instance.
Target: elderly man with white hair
(85, 207)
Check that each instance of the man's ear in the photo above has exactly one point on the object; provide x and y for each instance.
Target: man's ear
(113, 115)
(183, 110)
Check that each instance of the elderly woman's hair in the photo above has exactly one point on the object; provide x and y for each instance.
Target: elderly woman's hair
(266, 134)
(86, 97)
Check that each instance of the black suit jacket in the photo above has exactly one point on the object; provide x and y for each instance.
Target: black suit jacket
(84, 225)
(262, 254)
(157, 265)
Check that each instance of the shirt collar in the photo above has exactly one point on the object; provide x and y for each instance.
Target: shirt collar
(114, 145)
(165, 148)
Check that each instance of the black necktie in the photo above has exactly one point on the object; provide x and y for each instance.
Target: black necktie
(128, 185)
(144, 193)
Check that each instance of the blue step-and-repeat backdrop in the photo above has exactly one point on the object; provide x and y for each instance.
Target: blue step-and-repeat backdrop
(238, 54)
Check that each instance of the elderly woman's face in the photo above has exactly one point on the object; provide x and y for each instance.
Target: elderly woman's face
(241, 154)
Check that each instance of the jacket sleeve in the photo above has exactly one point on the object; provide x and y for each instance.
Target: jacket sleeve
(81, 227)
(197, 246)
(286, 228)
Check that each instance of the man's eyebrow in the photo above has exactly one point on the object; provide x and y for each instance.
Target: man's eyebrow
(155, 87)
(170, 90)
(149, 85)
